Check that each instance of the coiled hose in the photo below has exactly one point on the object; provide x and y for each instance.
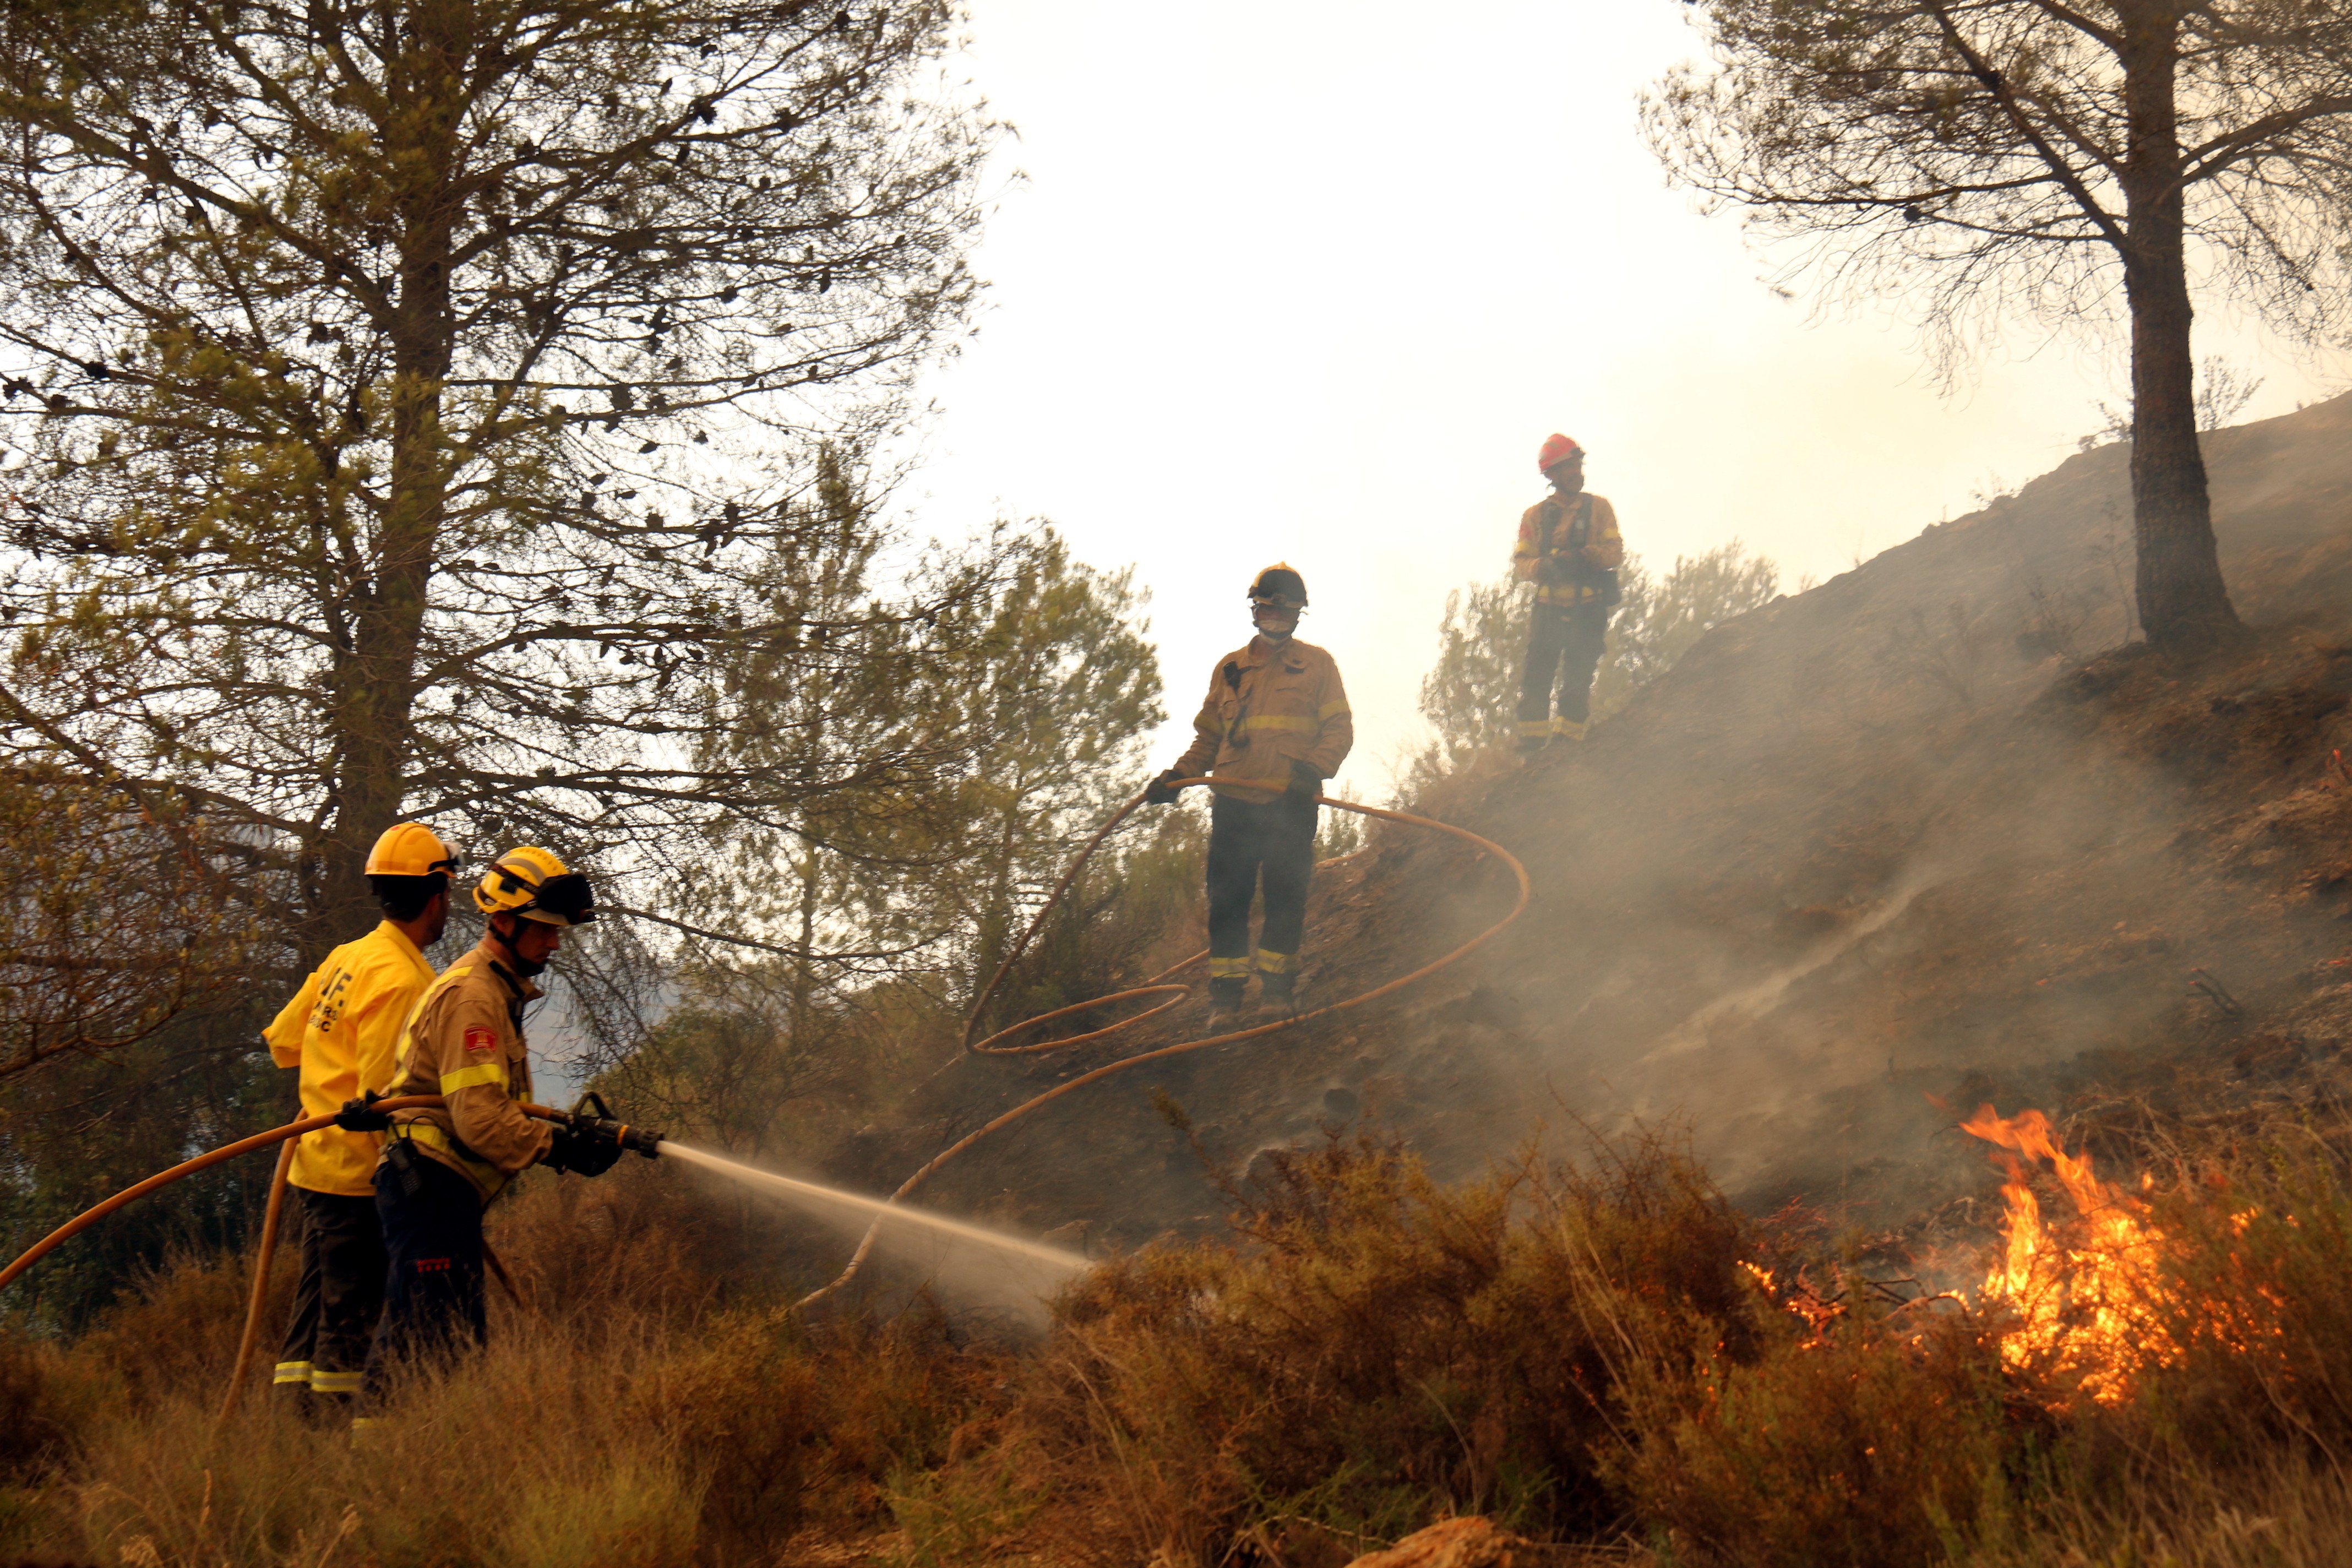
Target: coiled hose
(1153, 987)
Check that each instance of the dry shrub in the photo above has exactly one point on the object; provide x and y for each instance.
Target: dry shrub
(2252, 1315)
(33, 1425)
(1386, 1353)
(639, 1237)
(790, 1428)
(180, 1326)
(1874, 1445)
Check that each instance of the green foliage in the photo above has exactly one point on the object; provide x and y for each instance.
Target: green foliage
(1663, 617)
(884, 902)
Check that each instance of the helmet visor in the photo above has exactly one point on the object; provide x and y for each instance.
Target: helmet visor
(566, 900)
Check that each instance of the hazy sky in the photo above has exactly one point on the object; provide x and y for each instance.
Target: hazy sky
(1310, 281)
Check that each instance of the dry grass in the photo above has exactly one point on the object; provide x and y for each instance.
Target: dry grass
(628, 1413)
(1574, 1349)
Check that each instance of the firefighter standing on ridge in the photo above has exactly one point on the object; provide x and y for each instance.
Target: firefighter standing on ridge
(340, 1030)
(1274, 727)
(443, 1165)
(1569, 549)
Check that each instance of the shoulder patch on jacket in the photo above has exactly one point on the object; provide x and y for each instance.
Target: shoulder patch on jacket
(479, 1040)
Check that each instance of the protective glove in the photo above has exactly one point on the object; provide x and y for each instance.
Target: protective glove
(1555, 571)
(1306, 783)
(361, 1115)
(585, 1152)
(1163, 791)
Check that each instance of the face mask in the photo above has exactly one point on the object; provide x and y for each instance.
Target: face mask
(1273, 634)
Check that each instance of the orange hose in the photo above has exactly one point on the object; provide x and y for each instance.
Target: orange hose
(99, 1211)
(866, 1245)
(269, 1218)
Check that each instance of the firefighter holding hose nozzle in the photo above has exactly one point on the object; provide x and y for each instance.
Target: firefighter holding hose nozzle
(1274, 726)
(443, 1165)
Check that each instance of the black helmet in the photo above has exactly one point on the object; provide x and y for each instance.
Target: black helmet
(1280, 584)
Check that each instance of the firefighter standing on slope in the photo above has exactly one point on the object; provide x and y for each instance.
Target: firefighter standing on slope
(1274, 727)
(340, 1030)
(442, 1167)
(1569, 549)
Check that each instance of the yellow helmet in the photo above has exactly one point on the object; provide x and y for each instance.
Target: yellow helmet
(1279, 584)
(534, 884)
(409, 849)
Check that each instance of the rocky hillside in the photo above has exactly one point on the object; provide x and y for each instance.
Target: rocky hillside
(1934, 828)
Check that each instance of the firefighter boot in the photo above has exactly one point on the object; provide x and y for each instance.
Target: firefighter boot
(1225, 1002)
(1278, 996)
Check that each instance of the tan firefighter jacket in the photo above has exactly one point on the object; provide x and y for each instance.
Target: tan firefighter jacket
(1267, 707)
(341, 1030)
(1550, 528)
(465, 1042)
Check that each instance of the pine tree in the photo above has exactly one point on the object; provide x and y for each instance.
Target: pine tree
(1984, 156)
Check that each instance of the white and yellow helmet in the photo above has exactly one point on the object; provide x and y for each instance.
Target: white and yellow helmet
(534, 884)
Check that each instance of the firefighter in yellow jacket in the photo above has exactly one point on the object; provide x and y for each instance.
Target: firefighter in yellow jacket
(1568, 547)
(442, 1165)
(1274, 727)
(340, 1030)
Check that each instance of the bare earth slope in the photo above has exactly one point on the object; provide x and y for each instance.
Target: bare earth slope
(1907, 832)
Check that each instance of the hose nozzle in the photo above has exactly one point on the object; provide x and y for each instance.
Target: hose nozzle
(591, 1115)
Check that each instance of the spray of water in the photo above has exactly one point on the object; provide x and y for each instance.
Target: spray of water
(833, 1200)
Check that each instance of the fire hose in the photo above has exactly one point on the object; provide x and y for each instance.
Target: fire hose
(1152, 987)
(600, 1124)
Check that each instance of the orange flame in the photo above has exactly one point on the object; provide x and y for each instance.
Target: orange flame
(2081, 1298)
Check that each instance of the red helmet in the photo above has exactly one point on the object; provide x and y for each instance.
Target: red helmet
(1556, 449)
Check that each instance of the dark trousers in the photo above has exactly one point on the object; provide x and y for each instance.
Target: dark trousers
(1247, 840)
(1564, 646)
(433, 1288)
(338, 1295)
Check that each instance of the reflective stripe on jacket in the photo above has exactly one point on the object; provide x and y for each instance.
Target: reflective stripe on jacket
(465, 1042)
(1267, 707)
(1604, 548)
(341, 1030)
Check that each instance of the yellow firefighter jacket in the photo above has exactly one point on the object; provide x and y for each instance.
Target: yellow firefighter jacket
(465, 1042)
(341, 1030)
(1268, 706)
(1548, 527)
